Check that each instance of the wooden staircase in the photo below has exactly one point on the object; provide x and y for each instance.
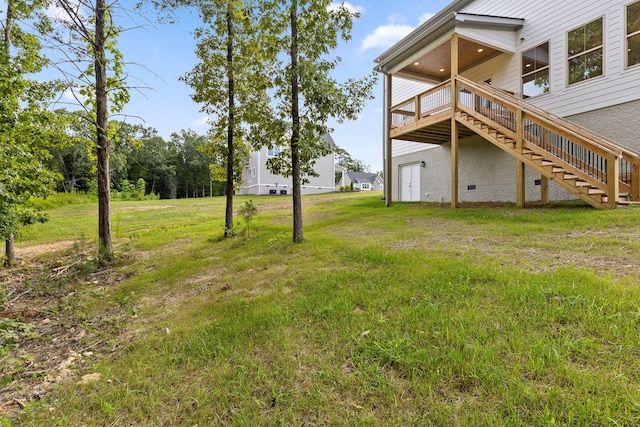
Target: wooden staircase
(598, 171)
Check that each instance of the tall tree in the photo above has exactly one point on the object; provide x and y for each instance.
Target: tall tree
(230, 83)
(306, 94)
(24, 120)
(102, 83)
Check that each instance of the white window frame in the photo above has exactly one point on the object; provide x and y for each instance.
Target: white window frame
(586, 52)
(273, 152)
(365, 186)
(629, 35)
(536, 70)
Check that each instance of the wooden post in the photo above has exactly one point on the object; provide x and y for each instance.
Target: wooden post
(388, 179)
(454, 71)
(454, 163)
(454, 124)
(613, 184)
(520, 169)
(544, 190)
(520, 191)
(635, 181)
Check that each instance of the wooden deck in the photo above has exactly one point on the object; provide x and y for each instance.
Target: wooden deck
(595, 169)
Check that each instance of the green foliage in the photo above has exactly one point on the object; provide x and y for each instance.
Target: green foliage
(344, 159)
(248, 210)
(414, 315)
(26, 126)
(13, 331)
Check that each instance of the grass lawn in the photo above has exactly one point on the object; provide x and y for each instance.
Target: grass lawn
(410, 315)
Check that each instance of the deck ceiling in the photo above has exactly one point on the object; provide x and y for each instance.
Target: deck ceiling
(438, 133)
(436, 64)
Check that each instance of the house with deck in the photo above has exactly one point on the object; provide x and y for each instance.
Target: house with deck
(261, 181)
(508, 100)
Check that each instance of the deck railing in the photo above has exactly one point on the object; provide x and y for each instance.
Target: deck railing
(591, 157)
(427, 103)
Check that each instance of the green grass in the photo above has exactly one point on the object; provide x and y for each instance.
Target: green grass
(409, 315)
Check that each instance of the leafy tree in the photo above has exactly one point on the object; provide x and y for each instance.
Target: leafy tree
(345, 160)
(302, 34)
(91, 24)
(230, 83)
(25, 122)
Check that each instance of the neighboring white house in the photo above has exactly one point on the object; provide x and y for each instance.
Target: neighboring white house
(515, 67)
(362, 181)
(259, 180)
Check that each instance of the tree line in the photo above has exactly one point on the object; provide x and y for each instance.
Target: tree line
(265, 76)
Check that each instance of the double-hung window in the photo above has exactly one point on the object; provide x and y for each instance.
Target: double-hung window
(535, 71)
(585, 51)
(633, 34)
(274, 151)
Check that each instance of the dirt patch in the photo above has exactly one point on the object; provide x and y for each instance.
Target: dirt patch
(29, 252)
(45, 338)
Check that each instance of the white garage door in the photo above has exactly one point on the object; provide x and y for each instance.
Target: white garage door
(410, 182)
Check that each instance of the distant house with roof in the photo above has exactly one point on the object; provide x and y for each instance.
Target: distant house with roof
(259, 180)
(362, 181)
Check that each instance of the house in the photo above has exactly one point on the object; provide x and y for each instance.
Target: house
(260, 181)
(507, 100)
(362, 181)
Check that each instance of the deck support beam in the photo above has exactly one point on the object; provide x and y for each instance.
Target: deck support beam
(520, 190)
(388, 173)
(613, 184)
(544, 190)
(454, 123)
(520, 169)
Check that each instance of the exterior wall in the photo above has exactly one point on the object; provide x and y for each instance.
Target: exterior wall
(264, 181)
(550, 20)
(491, 170)
(616, 123)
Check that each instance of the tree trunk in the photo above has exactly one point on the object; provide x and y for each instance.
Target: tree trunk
(105, 249)
(9, 253)
(228, 218)
(298, 233)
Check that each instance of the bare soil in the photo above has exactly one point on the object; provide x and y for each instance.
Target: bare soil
(45, 338)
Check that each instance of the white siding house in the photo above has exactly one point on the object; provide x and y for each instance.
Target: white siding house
(576, 60)
(260, 181)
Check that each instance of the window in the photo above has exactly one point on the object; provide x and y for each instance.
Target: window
(535, 71)
(585, 49)
(365, 186)
(633, 34)
(274, 151)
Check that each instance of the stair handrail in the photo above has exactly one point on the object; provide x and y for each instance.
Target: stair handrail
(548, 118)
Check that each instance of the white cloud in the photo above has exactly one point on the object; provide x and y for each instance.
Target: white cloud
(72, 96)
(201, 122)
(350, 7)
(425, 17)
(385, 36)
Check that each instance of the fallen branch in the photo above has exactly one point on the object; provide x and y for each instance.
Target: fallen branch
(19, 296)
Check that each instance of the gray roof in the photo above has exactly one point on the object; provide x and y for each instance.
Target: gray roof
(360, 177)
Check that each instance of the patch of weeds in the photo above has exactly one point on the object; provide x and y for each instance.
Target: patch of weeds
(397, 353)
(13, 331)
(128, 302)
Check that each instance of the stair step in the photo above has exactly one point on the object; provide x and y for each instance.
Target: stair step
(536, 157)
(547, 163)
(558, 169)
(582, 184)
(568, 176)
(596, 192)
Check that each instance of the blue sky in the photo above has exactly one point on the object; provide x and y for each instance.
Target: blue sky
(165, 53)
